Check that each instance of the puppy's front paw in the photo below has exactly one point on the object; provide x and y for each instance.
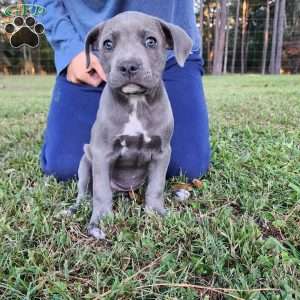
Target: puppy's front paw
(96, 232)
(154, 209)
(182, 195)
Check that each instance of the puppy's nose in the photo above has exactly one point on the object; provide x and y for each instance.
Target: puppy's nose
(129, 68)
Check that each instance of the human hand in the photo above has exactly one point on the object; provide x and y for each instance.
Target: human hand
(78, 73)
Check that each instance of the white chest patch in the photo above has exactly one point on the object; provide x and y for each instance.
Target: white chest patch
(134, 126)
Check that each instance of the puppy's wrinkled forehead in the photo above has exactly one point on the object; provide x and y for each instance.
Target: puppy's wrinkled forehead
(131, 25)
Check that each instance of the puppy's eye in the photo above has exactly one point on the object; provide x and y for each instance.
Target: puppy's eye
(150, 42)
(108, 44)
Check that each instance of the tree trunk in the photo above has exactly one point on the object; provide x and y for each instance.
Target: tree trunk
(219, 37)
(266, 38)
(226, 50)
(209, 56)
(30, 55)
(244, 28)
(38, 60)
(24, 53)
(274, 38)
(216, 39)
(201, 22)
(280, 31)
(209, 38)
(236, 30)
(201, 15)
(226, 42)
(247, 39)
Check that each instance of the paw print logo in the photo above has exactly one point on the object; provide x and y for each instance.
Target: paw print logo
(24, 32)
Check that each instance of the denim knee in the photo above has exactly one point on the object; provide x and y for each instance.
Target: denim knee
(190, 142)
(59, 167)
(194, 165)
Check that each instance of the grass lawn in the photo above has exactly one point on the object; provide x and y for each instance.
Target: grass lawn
(239, 232)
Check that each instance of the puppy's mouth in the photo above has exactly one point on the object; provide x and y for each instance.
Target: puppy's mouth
(133, 89)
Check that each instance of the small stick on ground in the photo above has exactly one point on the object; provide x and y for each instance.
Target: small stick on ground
(224, 291)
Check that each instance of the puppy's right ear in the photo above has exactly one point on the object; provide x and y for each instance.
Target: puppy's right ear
(92, 42)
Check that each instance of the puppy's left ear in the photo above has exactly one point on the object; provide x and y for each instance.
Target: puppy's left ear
(178, 40)
(92, 42)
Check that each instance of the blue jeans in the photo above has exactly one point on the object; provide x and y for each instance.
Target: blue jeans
(73, 111)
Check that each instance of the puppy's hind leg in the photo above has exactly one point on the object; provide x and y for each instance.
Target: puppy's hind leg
(84, 179)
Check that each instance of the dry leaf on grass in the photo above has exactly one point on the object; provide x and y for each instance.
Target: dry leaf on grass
(197, 183)
(182, 186)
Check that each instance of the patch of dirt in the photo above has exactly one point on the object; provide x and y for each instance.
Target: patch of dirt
(236, 209)
(268, 230)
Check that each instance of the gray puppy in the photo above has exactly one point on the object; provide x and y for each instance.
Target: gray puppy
(130, 139)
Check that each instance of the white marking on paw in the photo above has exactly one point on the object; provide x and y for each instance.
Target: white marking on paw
(182, 195)
(97, 233)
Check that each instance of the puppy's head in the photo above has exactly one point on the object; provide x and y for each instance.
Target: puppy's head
(132, 47)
